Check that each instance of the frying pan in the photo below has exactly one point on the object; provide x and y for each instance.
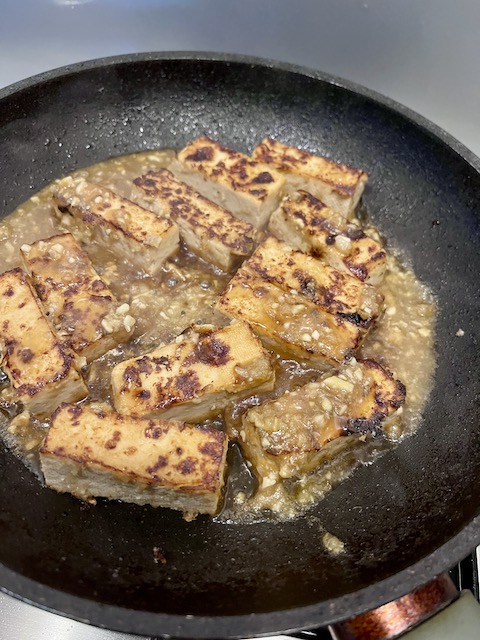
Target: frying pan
(405, 519)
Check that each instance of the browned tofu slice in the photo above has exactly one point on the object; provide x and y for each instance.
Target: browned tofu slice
(288, 324)
(335, 291)
(196, 376)
(207, 229)
(295, 433)
(83, 311)
(42, 373)
(337, 185)
(90, 451)
(307, 224)
(249, 189)
(131, 232)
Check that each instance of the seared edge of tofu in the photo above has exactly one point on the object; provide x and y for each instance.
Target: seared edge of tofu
(295, 433)
(387, 396)
(128, 230)
(338, 185)
(249, 189)
(307, 224)
(287, 323)
(79, 304)
(194, 377)
(41, 371)
(209, 230)
(335, 291)
(92, 451)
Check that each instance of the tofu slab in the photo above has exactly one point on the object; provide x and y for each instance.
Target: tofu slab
(83, 311)
(307, 224)
(42, 373)
(337, 185)
(207, 229)
(288, 324)
(196, 376)
(131, 232)
(335, 291)
(295, 433)
(247, 188)
(94, 452)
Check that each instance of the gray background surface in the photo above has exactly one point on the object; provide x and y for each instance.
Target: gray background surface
(422, 53)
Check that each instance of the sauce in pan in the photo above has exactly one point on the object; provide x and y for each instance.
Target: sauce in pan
(184, 293)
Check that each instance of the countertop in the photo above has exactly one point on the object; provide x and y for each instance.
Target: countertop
(423, 53)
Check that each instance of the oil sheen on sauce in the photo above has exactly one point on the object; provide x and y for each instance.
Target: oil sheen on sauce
(184, 293)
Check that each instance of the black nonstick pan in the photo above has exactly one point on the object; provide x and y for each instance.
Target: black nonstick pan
(405, 519)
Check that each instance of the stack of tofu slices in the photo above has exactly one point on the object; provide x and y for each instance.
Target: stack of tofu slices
(305, 287)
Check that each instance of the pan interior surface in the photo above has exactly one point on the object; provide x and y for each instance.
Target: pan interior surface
(423, 196)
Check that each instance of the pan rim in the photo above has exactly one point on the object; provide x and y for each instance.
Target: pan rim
(285, 621)
(145, 623)
(217, 56)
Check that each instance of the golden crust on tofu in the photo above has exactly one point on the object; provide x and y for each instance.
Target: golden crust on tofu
(128, 230)
(194, 377)
(42, 372)
(287, 323)
(295, 433)
(335, 291)
(83, 311)
(337, 185)
(384, 397)
(249, 189)
(92, 451)
(307, 224)
(207, 229)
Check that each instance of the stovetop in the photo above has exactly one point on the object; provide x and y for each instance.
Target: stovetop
(396, 48)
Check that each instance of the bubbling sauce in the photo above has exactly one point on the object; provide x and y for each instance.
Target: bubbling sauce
(185, 293)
